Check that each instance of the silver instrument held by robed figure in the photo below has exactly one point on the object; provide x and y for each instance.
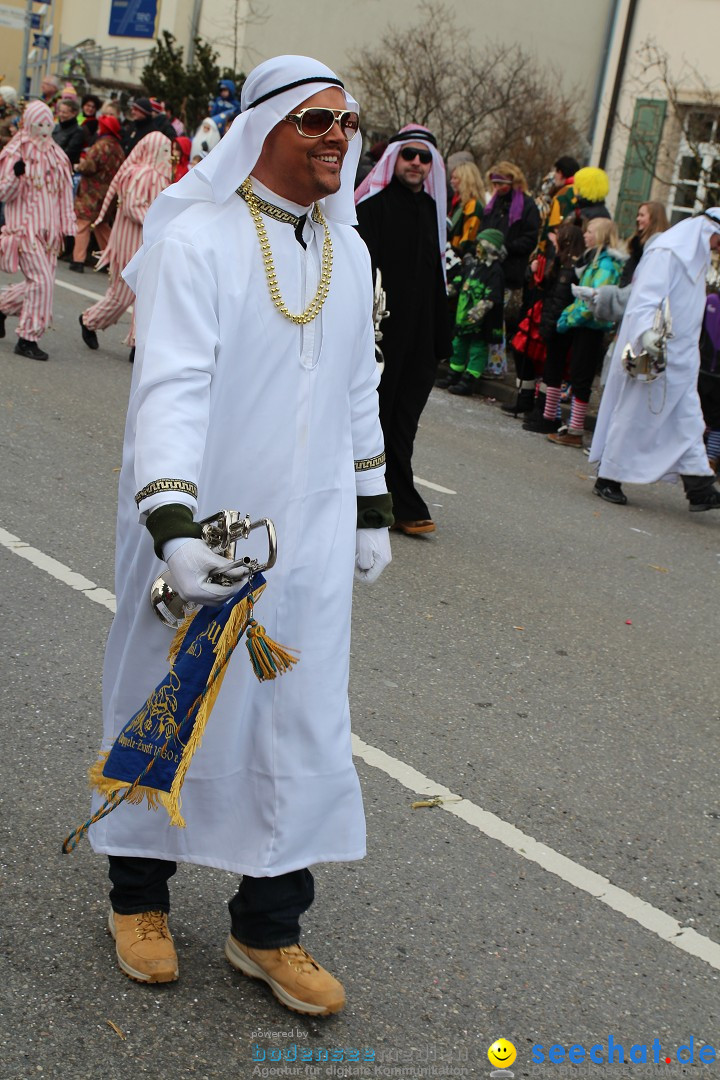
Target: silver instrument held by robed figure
(651, 361)
(380, 312)
(221, 532)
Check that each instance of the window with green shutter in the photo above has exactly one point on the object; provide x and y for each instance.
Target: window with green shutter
(640, 160)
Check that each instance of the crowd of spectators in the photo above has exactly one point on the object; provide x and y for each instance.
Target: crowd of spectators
(107, 166)
(520, 269)
(543, 283)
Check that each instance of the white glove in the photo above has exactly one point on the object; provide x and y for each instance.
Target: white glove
(584, 292)
(372, 553)
(190, 567)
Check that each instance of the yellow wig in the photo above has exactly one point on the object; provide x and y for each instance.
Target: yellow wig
(591, 184)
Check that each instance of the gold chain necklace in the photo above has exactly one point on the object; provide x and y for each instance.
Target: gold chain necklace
(307, 316)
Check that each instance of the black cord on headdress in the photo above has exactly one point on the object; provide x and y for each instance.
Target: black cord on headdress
(711, 217)
(414, 133)
(291, 86)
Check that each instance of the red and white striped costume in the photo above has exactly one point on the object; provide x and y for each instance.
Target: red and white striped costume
(138, 181)
(38, 214)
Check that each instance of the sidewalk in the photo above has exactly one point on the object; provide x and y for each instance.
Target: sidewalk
(504, 392)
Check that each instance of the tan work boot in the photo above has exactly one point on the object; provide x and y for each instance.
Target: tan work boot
(294, 977)
(144, 946)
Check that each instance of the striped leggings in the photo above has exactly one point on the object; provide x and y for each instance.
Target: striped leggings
(107, 311)
(32, 299)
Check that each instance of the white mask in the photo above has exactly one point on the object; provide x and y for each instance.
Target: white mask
(42, 130)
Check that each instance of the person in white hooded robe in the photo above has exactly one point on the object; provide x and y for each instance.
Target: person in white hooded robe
(649, 431)
(266, 404)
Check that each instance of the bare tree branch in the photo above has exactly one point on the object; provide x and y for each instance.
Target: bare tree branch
(495, 101)
(686, 91)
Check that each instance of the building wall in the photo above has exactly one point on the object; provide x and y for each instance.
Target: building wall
(332, 30)
(571, 35)
(11, 42)
(687, 33)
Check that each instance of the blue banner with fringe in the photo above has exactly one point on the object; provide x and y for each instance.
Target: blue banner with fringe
(150, 757)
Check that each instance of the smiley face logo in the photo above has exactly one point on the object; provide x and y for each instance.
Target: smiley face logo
(502, 1054)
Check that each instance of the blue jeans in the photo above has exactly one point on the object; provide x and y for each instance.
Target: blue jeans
(265, 912)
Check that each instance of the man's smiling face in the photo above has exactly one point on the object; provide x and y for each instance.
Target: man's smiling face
(301, 169)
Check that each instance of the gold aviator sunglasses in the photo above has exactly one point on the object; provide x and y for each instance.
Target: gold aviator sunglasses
(313, 123)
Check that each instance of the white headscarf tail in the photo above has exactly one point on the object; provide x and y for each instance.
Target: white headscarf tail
(689, 241)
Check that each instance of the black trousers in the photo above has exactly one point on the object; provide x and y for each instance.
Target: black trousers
(709, 391)
(556, 359)
(403, 394)
(588, 348)
(264, 913)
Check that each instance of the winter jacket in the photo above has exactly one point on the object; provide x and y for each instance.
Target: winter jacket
(635, 250)
(97, 169)
(465, 228)
(557, 295)
(135, 131)
(69, 136)
(520, 238)
(560, 207)
(585, 210)
(480, 280)
(604, 268)
(89, 128)
(225, 109)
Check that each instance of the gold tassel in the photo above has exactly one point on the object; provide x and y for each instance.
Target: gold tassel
(232, 631)
(268, 658)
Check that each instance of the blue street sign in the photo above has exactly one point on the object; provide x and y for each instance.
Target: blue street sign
(133, 18)
(41, 41)
(36, 20)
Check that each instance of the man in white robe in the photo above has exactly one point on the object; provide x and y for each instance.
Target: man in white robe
(234, 405)
(649, 431)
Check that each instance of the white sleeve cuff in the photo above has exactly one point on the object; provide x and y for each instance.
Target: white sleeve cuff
(371, 482)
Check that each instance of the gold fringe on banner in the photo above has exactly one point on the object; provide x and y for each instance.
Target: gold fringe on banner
(269, 659)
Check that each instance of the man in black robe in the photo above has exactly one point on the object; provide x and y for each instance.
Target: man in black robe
(399, 224)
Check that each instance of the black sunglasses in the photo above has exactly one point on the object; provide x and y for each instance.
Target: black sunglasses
(313, 123)
(409, 153)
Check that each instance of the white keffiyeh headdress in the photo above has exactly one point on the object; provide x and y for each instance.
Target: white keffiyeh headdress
(272, 90)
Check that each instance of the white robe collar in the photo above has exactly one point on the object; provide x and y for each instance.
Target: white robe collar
(270, 196)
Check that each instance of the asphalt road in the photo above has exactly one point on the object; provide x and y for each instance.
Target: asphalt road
(546, 656)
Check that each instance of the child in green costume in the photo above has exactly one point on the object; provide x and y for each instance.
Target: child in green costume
(479, 286)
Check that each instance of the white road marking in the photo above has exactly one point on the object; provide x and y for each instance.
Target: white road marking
(58, 570)
(78, 289)
(527, 847)
(434, 487)
(652, 918)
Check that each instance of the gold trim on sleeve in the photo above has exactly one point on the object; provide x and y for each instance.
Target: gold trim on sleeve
(185, 486)
(370, 462)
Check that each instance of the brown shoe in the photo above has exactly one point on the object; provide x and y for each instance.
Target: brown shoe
(144, 947)
(566, 438)
(294, 977)
(414, 528)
